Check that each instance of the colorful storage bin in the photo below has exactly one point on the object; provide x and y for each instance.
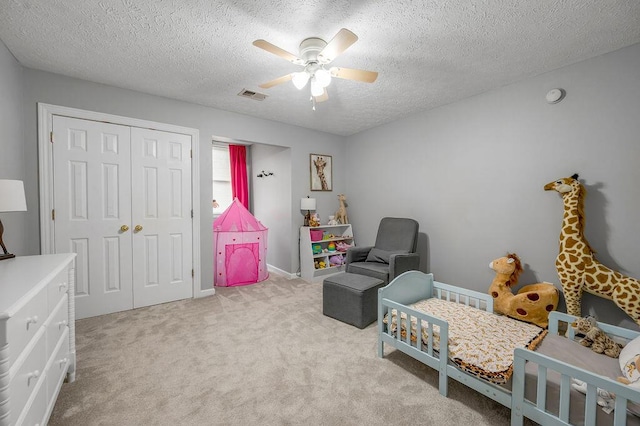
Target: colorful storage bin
(316, 234)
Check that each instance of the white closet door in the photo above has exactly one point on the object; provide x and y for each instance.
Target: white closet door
(161, 214)
(92, 202)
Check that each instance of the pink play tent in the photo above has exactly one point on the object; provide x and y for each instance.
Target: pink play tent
(239, 247)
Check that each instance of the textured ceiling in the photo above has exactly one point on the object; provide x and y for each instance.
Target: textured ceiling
(427, 53)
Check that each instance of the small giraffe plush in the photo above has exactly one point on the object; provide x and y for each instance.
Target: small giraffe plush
(596, 338)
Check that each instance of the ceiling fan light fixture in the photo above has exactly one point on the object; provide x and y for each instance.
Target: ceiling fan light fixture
(314, 55)
(300, 79)
(323, 77)
(316, 88)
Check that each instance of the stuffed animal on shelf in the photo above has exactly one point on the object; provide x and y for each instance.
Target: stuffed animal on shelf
(577, 267)
(531, 304)
(595, 338)
(342, 246)
(332, 220)
(336, 260)
(341, 214)
(314, 220)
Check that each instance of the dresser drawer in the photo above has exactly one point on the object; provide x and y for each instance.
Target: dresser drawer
(57, 324)
(37, 409)
(22, 326)
(27, 377)
(57, 368)
(57, 288)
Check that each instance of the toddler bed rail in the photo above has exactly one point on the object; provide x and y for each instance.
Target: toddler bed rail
(537, 411)
(555, 401)
(411, 287)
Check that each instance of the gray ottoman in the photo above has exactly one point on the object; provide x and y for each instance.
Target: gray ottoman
(351, 298)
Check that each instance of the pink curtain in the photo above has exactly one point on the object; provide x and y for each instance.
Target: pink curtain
(239, 179)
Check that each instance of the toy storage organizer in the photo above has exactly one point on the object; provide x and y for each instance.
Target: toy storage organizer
(321, 247)
(239, 248)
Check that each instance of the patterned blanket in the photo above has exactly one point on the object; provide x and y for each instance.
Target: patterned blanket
(480, 343)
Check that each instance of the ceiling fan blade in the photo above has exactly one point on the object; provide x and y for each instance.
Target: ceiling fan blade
(353, 74)
(271, 48)
(277, 81)
(323, 97)
(337, 45)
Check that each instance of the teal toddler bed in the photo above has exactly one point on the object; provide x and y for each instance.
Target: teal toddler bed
(539, 374)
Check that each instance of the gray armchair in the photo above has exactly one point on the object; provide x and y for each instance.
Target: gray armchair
(393, 253)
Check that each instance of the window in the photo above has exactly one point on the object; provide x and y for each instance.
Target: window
(222, 194)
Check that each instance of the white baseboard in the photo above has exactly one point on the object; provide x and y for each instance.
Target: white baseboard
(278, 271)
(205, 293)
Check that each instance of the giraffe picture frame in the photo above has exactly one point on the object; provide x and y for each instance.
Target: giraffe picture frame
(320, 167)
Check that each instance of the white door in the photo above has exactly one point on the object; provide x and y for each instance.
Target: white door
(92, 203)
(161, 211)
(122, 199)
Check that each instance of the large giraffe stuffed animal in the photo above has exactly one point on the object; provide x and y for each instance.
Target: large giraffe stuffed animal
(577, 267)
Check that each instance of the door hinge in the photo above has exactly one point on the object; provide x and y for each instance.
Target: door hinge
(53, 214)
(193, 274)
(191, 214)
(191, 153)
(51, 137)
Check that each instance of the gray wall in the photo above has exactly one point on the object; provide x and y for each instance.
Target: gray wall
(59, 90)
(12, 149)
(272, 202)
(472, 174)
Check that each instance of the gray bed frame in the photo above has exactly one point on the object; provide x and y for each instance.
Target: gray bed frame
(414, 286)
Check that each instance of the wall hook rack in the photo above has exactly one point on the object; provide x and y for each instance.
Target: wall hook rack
(264, 174)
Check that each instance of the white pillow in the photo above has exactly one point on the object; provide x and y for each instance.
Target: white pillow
(628, 365)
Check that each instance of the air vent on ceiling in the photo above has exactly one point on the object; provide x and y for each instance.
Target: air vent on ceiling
(252, 95)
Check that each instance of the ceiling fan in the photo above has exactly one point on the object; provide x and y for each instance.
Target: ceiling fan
(314, 55)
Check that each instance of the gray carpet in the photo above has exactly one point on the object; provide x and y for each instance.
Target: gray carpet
(256, 355)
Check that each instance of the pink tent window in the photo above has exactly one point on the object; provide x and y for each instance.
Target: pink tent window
(239, 247)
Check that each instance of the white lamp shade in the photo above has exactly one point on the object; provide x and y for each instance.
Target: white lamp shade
(12, 196)
(307, 203)
(300, 79)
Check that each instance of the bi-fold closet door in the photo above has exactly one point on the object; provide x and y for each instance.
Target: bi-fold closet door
(122, 202)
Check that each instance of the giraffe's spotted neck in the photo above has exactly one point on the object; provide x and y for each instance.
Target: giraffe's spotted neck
(571, 222)
(573, 218)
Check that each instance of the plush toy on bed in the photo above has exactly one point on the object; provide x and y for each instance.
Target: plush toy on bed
(631, 371)
(532, 303)
(630, 364)
(595, 338)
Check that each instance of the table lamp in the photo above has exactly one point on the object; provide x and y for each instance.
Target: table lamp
(11, 200)
(307, 204)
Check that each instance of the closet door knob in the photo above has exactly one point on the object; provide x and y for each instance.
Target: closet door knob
(32, 320)
(62, 287)
(124, 228)
(138, 228)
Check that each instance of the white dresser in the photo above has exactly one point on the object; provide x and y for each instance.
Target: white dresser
(37, 335)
